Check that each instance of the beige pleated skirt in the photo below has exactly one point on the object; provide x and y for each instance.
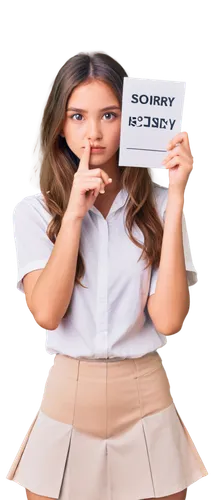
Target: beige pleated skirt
(107, 430)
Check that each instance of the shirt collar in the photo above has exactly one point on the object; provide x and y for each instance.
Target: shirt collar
(118, 202)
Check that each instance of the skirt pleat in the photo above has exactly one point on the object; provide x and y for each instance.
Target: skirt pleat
(107, 431)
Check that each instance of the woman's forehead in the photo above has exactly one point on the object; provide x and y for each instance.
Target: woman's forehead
(93, 93)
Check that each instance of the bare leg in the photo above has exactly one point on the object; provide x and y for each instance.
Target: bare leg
(33, 496)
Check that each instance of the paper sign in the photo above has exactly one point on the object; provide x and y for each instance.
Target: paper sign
(151, 117)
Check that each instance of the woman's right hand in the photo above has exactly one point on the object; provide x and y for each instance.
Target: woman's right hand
(87, 184)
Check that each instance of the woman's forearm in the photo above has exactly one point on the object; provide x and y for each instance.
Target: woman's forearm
(172, 300)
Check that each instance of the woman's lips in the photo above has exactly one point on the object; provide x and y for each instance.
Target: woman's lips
(96, 150)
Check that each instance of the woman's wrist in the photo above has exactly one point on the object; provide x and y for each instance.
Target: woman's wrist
(176, 194)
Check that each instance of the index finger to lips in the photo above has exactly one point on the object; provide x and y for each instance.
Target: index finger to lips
(84, 162)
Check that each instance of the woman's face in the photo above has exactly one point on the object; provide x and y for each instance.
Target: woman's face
(90, 121)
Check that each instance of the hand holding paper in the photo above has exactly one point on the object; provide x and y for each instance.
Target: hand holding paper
(179, 161)
(151, 117)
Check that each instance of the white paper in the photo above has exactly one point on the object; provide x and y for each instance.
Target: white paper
(151, 117)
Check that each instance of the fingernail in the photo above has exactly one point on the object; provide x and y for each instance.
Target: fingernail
(110, 179)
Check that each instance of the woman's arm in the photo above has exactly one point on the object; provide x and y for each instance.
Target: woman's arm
(170, 303)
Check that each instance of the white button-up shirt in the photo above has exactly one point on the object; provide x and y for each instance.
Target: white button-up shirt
(109, 318)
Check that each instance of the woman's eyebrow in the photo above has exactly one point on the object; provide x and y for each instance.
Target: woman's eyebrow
(84, 110)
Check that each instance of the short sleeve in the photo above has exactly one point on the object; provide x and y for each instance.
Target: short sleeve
(190, 268)
(33, 247)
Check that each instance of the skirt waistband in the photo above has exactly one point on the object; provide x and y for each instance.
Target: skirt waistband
(99, 367)
(106, 360)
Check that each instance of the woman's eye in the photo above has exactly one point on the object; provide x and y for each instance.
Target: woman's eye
(113, 114)
(76, 114)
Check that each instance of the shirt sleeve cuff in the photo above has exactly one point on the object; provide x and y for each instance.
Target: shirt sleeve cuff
(30, 266)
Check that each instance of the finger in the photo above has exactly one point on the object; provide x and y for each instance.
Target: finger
(174, 152)
(85, 158)
(181, 137)
(96, 180)
(102, 175)
(173, 162)
(105, 177)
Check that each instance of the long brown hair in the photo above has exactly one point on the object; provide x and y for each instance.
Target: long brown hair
(59, 163)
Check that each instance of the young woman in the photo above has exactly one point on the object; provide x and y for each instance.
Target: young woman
(103, 259)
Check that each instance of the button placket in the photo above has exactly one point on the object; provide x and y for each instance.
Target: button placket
(101, 341)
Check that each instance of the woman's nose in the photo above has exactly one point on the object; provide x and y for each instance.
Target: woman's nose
(94, 129)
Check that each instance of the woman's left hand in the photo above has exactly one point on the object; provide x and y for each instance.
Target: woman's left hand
(179, 161)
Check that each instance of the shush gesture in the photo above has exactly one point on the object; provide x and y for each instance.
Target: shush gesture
(87, 184)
